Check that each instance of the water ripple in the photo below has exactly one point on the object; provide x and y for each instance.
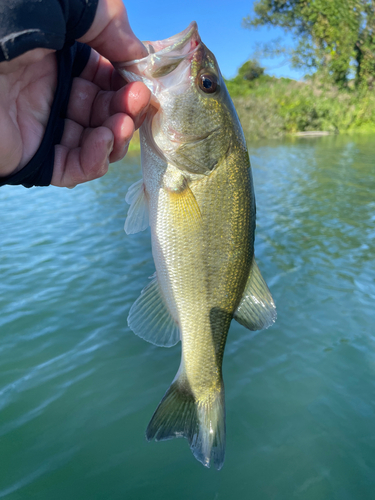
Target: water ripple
(77, 388)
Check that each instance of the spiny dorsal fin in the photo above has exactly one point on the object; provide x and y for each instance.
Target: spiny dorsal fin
(150, 319)
(137, 218)
(257, 309)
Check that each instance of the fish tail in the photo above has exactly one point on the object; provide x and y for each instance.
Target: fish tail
(202, 423)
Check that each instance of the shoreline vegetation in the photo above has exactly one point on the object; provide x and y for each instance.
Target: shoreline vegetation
(334, 41)
(270, 107)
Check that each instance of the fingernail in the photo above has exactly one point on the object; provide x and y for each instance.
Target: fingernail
(125, 148)
(139, 120)
(110, 147)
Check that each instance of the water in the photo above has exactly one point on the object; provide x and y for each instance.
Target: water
(77, 388)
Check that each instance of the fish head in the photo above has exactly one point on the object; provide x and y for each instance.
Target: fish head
(193, 123)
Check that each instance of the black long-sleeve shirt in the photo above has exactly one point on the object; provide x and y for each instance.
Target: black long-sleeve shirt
(52, 24)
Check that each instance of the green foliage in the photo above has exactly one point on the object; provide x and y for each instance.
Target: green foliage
(272, 107)
(333, 36)
(249, 76)
(250, 70)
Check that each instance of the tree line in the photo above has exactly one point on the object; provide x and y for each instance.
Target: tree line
(334, 38)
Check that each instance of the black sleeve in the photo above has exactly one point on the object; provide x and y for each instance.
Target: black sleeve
(51, 24)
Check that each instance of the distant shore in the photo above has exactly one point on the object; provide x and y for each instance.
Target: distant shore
(273, 107)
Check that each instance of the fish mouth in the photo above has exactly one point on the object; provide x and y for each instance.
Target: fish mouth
(176, 46)
(163, 56)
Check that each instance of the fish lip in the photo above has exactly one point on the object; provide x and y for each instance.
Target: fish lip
(164, 58)
(176, 43)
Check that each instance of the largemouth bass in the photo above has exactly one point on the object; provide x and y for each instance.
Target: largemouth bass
(197, 196)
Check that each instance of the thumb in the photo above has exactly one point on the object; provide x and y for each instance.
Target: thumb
(84, 163)
(111, 34)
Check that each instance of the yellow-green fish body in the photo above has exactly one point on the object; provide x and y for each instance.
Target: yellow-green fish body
(197, 195)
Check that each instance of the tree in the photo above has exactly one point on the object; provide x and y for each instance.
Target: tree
(331, 35)
(250, 70)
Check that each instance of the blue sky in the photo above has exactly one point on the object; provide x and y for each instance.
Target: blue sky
(219, 24)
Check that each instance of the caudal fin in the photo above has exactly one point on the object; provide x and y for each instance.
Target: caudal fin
(202, 423)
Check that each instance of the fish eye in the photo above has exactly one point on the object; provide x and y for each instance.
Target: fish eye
(208, 83)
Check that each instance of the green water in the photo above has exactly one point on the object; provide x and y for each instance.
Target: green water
(77, 388)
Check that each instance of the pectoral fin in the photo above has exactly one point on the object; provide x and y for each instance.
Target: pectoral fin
(257, 309)
(137, 218)
(182, 203)
(150, 319)
(184, 208)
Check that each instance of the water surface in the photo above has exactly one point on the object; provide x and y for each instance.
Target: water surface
(77, 387)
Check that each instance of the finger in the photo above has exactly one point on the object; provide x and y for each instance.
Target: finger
(101, 108)
(72, 134)
(81, 100)
(122, 128)
(85, 163)
(100, 71)
(111, 35)
(118, 80)
(133, 100)
(88, 106)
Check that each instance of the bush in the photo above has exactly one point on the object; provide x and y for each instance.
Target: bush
(250, 70)
(271, 107)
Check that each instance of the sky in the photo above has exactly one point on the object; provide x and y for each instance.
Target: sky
(219, 24)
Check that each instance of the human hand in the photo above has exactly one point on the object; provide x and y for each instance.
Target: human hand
(101, 115)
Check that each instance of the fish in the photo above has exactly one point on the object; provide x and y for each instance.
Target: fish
(197, 196)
